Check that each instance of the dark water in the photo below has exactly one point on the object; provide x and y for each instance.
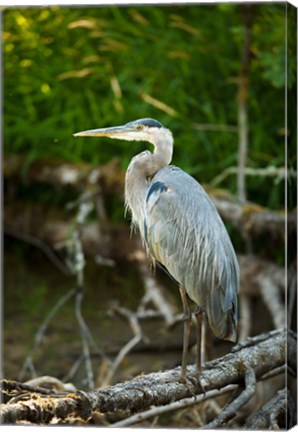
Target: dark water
(32, 286)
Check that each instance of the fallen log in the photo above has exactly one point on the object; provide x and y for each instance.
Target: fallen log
(259, 355)
(252, 219)
(259, 277)
(45, 231)
(60, 174)
(39, 223)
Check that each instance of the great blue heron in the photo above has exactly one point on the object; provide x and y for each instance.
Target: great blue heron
(181, 230)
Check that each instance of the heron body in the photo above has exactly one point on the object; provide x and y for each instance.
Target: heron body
(184, 232)
(180, 226)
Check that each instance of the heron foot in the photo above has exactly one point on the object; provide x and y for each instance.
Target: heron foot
(192, 380)
(195, 379)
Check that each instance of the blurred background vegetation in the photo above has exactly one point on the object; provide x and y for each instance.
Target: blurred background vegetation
(69, 69)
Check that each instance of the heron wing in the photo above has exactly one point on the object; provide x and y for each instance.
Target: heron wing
(184, 232)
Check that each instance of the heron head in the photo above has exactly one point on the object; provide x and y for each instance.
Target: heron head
(146, 129)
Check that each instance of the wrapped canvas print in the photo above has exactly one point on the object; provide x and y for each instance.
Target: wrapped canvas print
(149, 280)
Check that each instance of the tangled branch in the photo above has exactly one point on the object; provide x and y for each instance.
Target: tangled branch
(261, 354)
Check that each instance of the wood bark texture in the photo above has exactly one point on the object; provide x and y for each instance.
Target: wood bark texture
(260, 354)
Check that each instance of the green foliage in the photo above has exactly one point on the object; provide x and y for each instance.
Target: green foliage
(69, 69)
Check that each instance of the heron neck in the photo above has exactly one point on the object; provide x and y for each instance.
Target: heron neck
(136, 186)
(141, 169)
(162, 155)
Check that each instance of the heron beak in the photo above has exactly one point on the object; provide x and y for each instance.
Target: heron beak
(112, 132)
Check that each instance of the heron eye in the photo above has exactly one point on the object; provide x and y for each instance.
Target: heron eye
(140, 127)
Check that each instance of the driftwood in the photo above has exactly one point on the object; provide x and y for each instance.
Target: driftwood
(254, 220)
(64, 174)
(44, 231)
(279, 173)
(260, 278)
(51, 233)
(249, 218)
(266, 417)
(36, 228)
(247, 362)
(146, 396)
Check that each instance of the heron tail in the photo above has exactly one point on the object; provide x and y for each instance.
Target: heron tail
(222, 317)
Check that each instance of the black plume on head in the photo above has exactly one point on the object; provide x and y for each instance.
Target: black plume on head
(147, 122)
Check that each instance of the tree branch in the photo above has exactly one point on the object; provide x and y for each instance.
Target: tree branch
(137, 337)
(263, 418)
(271, 171)
(253, 219)
(109, 179)
(174, 406)
(262, 354)
(230, 410)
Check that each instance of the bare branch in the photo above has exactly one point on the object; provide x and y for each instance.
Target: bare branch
(245, 317)
(174, 406)
(279, 173)
(263, 418)
(272, 299)
(253, 219)
(59, 173)
(230, 410)
(77, 259)
(52, 382)
(40, 244)
(28, 363)
(14, 388)
(109, 179)
(154, 292)
(138, 336)
(261, 278)
(262, 354)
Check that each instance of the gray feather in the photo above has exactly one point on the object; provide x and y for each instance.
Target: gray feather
(186, 234)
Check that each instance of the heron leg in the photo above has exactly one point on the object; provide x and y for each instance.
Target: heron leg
(187, 323)
(199, 314)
